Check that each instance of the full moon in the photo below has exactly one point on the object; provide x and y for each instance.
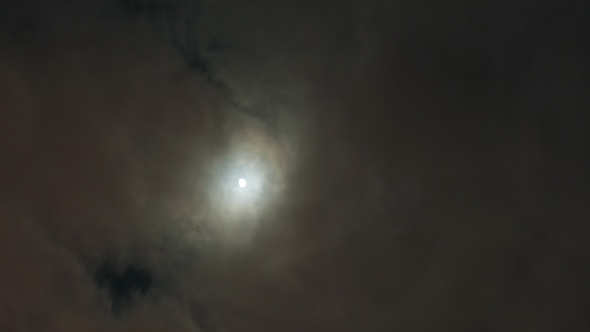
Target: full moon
(242, 183)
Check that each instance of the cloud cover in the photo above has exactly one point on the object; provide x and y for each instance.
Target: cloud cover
(426, 165)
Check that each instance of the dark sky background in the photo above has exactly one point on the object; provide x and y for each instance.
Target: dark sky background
(413, 165)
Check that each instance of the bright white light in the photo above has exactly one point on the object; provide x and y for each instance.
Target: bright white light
(242, 183)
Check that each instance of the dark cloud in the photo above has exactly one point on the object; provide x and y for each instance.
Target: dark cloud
(123, 285)
(420, 166)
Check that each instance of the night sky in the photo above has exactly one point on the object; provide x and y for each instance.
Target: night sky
(409, 165)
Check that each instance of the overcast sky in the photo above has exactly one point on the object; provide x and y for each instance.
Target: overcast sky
(410, 165)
